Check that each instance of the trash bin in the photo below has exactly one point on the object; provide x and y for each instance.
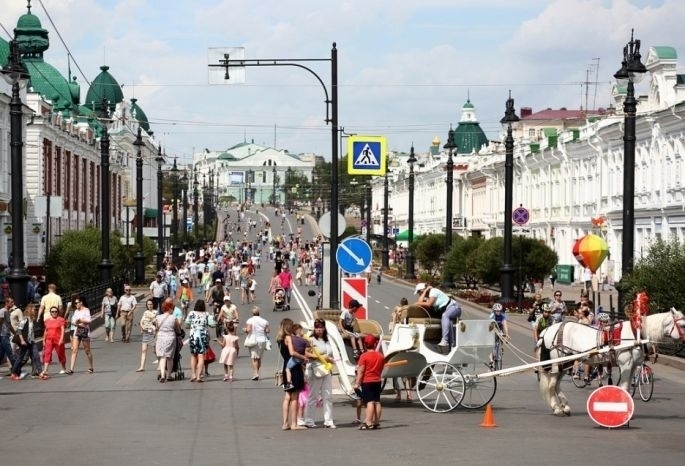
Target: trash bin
(565, 274)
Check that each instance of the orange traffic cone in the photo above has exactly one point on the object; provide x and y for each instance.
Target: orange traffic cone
(488, 418)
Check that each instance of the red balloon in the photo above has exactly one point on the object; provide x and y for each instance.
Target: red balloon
(576, 252)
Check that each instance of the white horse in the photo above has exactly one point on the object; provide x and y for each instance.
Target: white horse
(577, 338)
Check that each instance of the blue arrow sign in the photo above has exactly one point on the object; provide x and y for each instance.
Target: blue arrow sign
(353, 255)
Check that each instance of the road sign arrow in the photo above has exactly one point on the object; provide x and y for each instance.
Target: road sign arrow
(358, 260)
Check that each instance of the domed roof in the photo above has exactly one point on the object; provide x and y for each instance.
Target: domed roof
(31, 37)
(436, 141)
(467, 105)
(47, 81)
(104, 86)
(226, 156)
(138, 114)
(469, 138)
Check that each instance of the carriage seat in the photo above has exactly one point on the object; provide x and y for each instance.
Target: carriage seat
(414, 314)
(366, 326)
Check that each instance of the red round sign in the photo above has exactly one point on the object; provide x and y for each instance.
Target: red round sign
(610, 406)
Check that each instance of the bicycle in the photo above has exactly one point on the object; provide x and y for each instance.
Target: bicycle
(643, 382)
(497, 353)
(598, 372)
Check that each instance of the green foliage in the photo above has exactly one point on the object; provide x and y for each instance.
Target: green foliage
(530, 259)
(456, 262)
(429, 251)
(74, 260)
(349, 231)
(660, 274)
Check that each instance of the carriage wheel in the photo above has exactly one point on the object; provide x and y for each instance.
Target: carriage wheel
(477, 391)
(440, 387)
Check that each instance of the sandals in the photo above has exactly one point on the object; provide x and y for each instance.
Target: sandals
(365, 426)
(68, 372)
(91, 370)
(43, 376)
(376, 426)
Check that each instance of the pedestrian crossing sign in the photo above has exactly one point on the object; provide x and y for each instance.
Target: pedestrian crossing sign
(366, 155)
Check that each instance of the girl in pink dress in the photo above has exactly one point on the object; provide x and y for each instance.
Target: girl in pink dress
(231, 345)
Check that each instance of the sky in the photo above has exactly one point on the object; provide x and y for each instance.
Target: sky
(405, 67)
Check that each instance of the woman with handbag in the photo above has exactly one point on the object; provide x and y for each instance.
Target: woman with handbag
(321, 361)
(166, 327)
(257, 329)
(198, 321)
(80, 321)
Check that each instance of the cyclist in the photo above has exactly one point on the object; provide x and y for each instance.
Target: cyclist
(500, 319)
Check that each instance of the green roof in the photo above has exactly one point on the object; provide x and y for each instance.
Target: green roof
(665, 52)
(47, 81)
(469, 137)
(4, 52)
(149, 213)
(468, 104)
(31, 37)
(139, 115)
(226, 156)
(104, 86)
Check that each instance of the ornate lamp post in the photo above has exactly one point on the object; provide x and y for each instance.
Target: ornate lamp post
(449, 169)
(410, 257)
(185, 183)
(160, 210)
(174, 223)
(196, 216)
(105, 265)
(369, 202)
(507, 270)
(632, 71)
(385, 260)
(139, 258)
(17, 76)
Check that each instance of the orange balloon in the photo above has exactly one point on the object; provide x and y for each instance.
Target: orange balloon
(593, 250)
(576, 252)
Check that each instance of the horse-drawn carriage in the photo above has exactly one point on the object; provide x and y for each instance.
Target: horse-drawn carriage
(458, 375)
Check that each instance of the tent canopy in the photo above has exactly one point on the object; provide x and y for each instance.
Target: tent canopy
(404, 236)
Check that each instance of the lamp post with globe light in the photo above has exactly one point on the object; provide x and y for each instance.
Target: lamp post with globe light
(632, 70)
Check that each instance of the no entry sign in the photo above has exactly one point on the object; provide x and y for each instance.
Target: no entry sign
(610, 406)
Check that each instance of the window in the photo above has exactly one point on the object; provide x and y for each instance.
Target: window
(531, 133)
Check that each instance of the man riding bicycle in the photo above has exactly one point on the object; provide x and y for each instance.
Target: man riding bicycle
(500, 319)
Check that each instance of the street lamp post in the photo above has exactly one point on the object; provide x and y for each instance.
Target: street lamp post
(184, 222)
(507, 270)
(632, 70)
(385, 260)
(160, 212)
(139, 258)
(226, 63)
(196, 217)
(174, 223)
(205, 208)
(18, 276)
(105, 265)
(273, 195)
(449, 168)
(410, 233)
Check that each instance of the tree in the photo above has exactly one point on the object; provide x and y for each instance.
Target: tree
(660, 274)
(74, 259)
(531, 259)
(456, 262)
(429, 251)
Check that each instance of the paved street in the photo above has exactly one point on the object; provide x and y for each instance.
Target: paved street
(117, 416)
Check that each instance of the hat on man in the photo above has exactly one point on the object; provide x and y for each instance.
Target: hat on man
(184, 281)
(370, 341)
(419, 288)
(354, 304)
(227, 298)
(218, 280)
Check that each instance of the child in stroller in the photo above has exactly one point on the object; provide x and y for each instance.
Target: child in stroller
(279, 300)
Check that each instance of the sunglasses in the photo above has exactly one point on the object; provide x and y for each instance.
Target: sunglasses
(53, 312)
(77, 302)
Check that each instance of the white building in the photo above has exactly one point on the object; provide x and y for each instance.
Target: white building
(569, 178)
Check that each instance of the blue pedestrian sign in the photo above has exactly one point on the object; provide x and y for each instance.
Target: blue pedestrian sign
(353, 255)
(366, 155)
(520, 216)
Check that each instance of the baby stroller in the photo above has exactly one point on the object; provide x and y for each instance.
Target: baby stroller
(176, 370)
(279, 300)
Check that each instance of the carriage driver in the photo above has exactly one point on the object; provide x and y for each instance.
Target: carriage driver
(442, 304)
